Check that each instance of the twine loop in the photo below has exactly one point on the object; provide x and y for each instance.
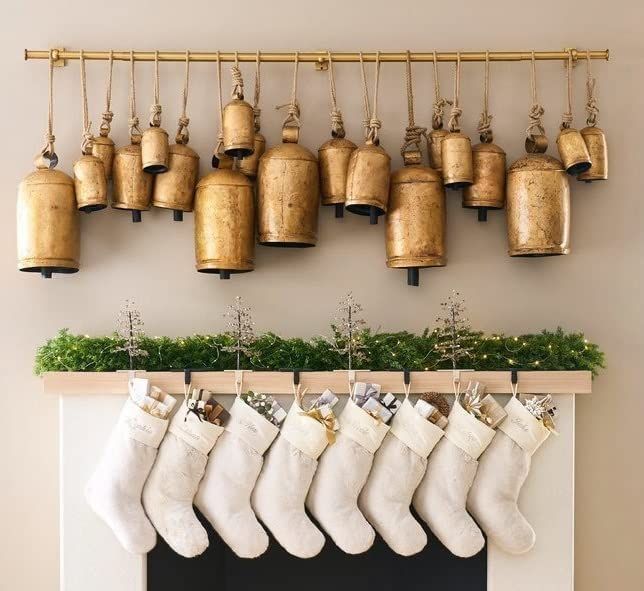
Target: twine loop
(293, 107)
(238, 80)
(535, 127)
(485, 122)
(371, 121)
(88, 138)
(337, 124)
(566, 118)
(591, 102)
(220, 135)
(155, 109)
(106, 122)
(256, 110)
(133, 120)
(455, 114)
(183, 135)
(413, 133)
(439, 102)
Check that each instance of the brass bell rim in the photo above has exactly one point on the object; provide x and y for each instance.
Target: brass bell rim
(175, 205)
(129, 206)
(214, 266)
(591, 177)
(539, 252)
(155, 168)
(363, 207)
(286, 241)
(476, 204)
(37, 265)
(238, 151)
(457, 184)
(579, 167)
(416, 262)
(92, 206)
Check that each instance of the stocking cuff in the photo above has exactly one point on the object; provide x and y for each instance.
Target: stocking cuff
(467, 432)
(247, 424)
(523, 427)
(359, 425)
(415, 431)
(304, 432)
(142, 426)
(199, 434)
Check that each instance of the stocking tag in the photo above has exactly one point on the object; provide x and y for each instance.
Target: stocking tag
(360, 426)
(416, 432)
(304, 432)
(245, 422)
(523, 427)
(467, 432)
(196, 432)
(142, 426)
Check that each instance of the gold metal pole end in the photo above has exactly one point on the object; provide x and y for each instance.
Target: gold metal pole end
(607, 54)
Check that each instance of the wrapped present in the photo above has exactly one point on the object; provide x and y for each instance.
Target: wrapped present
(362, 391)
(373, 406)
(391, 403)
(327, 398)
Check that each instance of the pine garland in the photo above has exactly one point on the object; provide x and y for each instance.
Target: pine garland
(546, 350)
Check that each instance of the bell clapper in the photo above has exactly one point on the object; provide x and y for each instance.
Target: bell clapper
(177, 215)
(413, 276)
(482, 214)
(136, 216)
(224, 274)
(339, 210)
(373, 215)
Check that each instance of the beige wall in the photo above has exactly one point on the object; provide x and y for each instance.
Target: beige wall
(598, 288)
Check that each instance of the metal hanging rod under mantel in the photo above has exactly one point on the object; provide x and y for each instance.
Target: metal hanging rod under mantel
(319, 58)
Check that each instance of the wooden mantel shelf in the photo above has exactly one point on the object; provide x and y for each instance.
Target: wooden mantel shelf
(275, 382)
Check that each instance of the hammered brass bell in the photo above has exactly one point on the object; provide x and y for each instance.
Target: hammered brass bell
(538, 207)
(415, 221)
(595, 141)
(434, 145)
(155, 145)
(90, 183)
(288, 194)
(224, 223)
(132, 187)
(573, 151)
(488, 189)
(238, 120)
(48, 226)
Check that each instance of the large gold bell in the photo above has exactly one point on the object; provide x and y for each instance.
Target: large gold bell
(224, 223)
(415, 221)
(456, 159)
(436, 137)
(488, 189)
(288, 194)
(175, 189)
(132, 186)
(368, 179)
(333, 157)
(155, 150)
(103, 148)
(595, 141)
(538, 207)
(250, 164)
(573, 151)
(238, 128)
(90, 183)
(48, 229)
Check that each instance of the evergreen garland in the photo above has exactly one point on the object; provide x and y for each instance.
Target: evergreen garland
(546, 350)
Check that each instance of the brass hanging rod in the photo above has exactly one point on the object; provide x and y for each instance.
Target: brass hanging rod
(319, 58)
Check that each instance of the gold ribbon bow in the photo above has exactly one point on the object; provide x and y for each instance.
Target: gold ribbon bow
(328, 422)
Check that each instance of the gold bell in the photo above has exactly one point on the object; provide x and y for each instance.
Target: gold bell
(288, 194)
(48, 226)
(415, 221)
(434, 146)
(155, 146)
(132, 187)
(250, 164)
(238, 123)
(103, 148)
(573, 151)
(456, 158)
(368, 178)
(90, 183)
(595, 141)
(175, 189)
(488, 189)
(224, 223)
(334, 156)
(538, 204)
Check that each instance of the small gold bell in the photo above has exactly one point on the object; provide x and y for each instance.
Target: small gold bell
(132, 187)
(48, 227)
(573, 151)
(250, 164)
(175, 189)
(456, 158)
(488, 189)
(90, 183)
(155, 146)
(334, 156)
(238, 120)
(434, 145)
(415, 221)
(595, 141)
(224, 223)
(538, 204)
(103, 148)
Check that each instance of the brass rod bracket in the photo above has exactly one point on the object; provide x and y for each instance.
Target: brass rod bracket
(574, 54)
(59, 62)
(321, 64)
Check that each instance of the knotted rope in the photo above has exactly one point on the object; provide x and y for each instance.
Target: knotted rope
(413, 132)
(256, 110)
(485, 122)
(566, 119)
(106, 123)
(591, 102)
(337, 124)
(133, 121)
(293, 107)
(455, 114)
(88, 138)
(47, 158)
(183, 135)
(220, 135)
(155, 109)
(536, 110)
(439, 102)
(371, 121)
(238, 80)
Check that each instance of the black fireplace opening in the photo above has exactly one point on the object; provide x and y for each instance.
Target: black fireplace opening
(379, 569)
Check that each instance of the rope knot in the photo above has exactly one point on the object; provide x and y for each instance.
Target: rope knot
(413, 136)
(439, 110)
(238, 82)
(104, 129)
(566, 120)
(454, 116)
(337, 124)
(293, 114)
(536, 126)
(374, 125)
(155, 115)
(591, 102)
(183, 135)
(87, 141)
(485, 127)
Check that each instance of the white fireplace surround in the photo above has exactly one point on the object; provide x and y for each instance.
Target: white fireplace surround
(91, 558)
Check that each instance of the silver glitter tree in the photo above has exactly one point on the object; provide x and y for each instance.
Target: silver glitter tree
(348, 326)
(240, 328)
(454, 340)
(130, 329)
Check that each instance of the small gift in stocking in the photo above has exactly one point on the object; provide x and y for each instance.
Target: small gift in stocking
(342, 472)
